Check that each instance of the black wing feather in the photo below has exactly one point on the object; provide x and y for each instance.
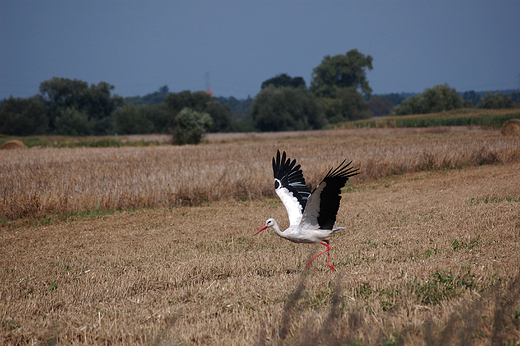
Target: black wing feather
(291, 177)
(330, 197)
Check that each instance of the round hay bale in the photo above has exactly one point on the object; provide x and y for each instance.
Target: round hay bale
(14, 144)
(511, 128)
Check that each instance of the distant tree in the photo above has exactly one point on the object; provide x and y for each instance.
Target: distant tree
(148, 99)
(164, 90)
(244, 124)
(515, 96)
(99, 105)
(220, 115)
(159, 115)
(60, 94)
(283, 80)
(23, 117)
(496, 101)
(394, 98)
(286, 109)
(201, 102)
(63, 92)
(379, 106)
(436, 99)
(186, 99)
(346, 104)
(98, 102)
(130, 119)
(72, 122)
(95, 101)
(190, 126)
(341, 71)
(239, 108)
(472, 97)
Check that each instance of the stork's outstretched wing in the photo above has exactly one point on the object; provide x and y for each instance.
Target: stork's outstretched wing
(290, 186)
(323, 204)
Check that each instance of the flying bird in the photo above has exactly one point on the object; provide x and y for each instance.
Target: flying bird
(311, 215)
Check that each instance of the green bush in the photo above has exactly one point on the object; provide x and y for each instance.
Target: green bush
(72, 122)
(200, 101)
(130, 119)
(190, 126)
(437, 99)
(496, 101)
(286, 109)
(23, 117)
(347, 104)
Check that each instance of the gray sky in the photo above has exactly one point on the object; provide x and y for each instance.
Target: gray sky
(138, 46)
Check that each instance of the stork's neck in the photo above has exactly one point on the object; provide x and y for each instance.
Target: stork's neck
(277, 230)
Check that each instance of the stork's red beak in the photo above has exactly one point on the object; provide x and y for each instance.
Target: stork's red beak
(260, 230)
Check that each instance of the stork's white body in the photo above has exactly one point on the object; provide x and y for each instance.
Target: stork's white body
(300, 234)
(311, 215)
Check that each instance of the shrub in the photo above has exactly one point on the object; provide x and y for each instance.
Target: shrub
(190, 126)
(132, 120)
(201, 102)
(286, 109)
(73, 122)
(345, 105)
(23, 117)
(495, 101)
(440, 98)
(472, 97)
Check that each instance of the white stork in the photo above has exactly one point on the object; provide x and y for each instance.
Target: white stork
(311, 215)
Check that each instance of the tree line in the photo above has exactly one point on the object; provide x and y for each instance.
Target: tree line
(442, 98)
(72, 107)
(339, 91)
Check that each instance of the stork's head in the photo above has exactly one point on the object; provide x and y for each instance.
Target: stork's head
(268, 223)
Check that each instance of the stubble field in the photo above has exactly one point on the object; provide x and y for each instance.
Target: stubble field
(430, 253)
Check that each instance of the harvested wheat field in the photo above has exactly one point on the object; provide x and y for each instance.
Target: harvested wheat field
(428, 257)
(34, 183)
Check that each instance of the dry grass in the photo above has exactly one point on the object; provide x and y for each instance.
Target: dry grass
(430, 257)
(39, 182)
(426, 258)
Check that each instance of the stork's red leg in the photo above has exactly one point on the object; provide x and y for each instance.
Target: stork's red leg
(325, 243)
(312, 259)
